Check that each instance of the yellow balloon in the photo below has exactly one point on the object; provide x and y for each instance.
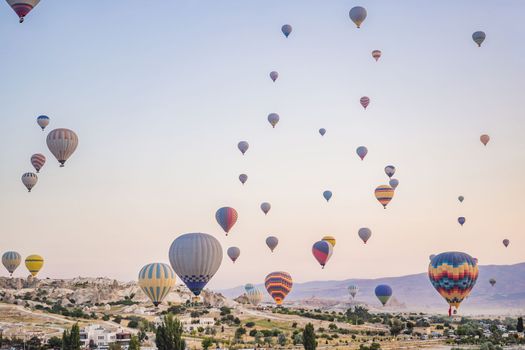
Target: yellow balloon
(156, 281)
(384, 194)
(34, 264)
(330, 239)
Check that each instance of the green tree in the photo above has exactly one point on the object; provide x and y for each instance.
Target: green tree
(134, 343)
(169, 334)
(396, 326)
(206, 343)
(74, 340)
(239, 332)
(281, 339)
(115, 346)
(519, 326)
(258, 337)
(66, 340)
(309, 341)
(54, 343)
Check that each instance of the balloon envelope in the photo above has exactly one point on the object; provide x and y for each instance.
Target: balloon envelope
(364, 233)
(461, 220)
(393, 183)
(243, 178)
(278, 284)
(390, 170)
(478, 37)
(274, 75)
(383, 293)
(29, 180)
(273, 119)
(42, 121)
(506, 242)
(248, 286)
(234, 253)
(365, 101)
(38, 160)
(226, 217)
(62, 143)
(327, 195)
(255, 296)
(353, 289)
(492, 282)
(330, 239)
(461, 199)
(362, 151)
(156, 281)
(484, 139)
(272, 242)
(34, 264)
(358, 15)
(22, 7)
(265, 207)
(286, 29)
(322, 131)
(376, 54)
(322, 251)
(243, 146)
(384, 194)
(11, 260)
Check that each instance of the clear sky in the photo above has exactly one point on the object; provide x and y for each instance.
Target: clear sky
(160, 92)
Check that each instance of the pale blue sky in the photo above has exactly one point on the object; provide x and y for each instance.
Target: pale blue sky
(160, 93)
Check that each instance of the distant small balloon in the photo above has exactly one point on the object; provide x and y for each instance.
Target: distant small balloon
(362, 151)
(38, 160)
(376, 54)
(330, 239)
(364, 233)
(248, 287)
(226, 217)
(365, 101)
(42, 121)
(243, 178)
(29, 180)
(393, 183)
(390, 170)
(461, 220)
(384, 194)
(492, 282)
(273, 119)
(272, 242)
(461, 199)
(274, 75)
(358, 15)
(322, 131)
(286, 29)
(484, 139)
(243, 146)
(265, 207)
(233, 253)
(327, 195)
(506, 242)
(478, 37)
(322, 251)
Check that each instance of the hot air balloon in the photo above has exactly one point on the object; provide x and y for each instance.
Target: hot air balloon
(330, 239)
(322, 251)
(248, 287)
(461, 199)
(278, 284)
(62, 143)
(243, 146)
(34, 264)
(453, 274)
(273, 119)
(364, 233)
(383, 293)
(384, 194)
(358, 15)
(22, 7)
(286, 29)
(506, 242)
(365, 101)
(274, 75)
(361, 152)
(390, 170)
(226, 217)
(478, 37)
(156, 281)
(327, 195)
(431, 256)
(38, 160)
(272, 242)
(461, 220)
(233, 253)
(29, 180)
(492, 282)
(393, 183)
(352, 290)
(11, 261)
(322, 131)
(243, 178)
(195, 258)
(484, 139)
(376, 54)
(255, 296)
(42, 121)
(265, 207)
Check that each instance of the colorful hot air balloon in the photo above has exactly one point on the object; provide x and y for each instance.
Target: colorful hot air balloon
(265, 207)
(384, 194)
(365, 101)
(248, 287)
(42, 121)
(29, 180)
(393, 183)
(453, 274)
(322, 251)
(233, 253)
(330, 239)
(492, 282)
(506, 242)
(22, 7)
(484, 139)
(278, 284)
(327, 195)
(38, 160)
(274, 75)
(243, 146)
(364, 233)
(226, 217)
(322, 131)
(383, 293)
(62, 143)
(390, 170)
(461, 220)
(243, 178)
(286, 29)
(34, 264)
(156, 281)
(272, 242)
(353, 289)
(478, 37)
(273, 119)
(362, 151)
(11, 261)
(195, 258)
(461, 199)
(376, 54)
(255, 296)
(358, 15)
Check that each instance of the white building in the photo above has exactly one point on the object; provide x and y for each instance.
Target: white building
(101, 337)
(190, 324)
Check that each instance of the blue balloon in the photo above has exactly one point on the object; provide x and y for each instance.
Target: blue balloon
(461, 220)
(383, 293)
(286, 29)
(327, 195)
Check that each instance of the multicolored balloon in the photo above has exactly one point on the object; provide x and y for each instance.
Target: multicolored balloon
(286, 29)
(265, 207)
(195, 258)
(322, 131)
(365, 101)
(453, 275)
(22, 7)
(393, 183)
(461, 220)
(156, 281)
(274, 75)
(278, 284)
(226, 217)
(492, 282)
(243, 146)
(327, 195)
(42, 121)
(11, 261)
(322, 251)
(352, 290)
(383, 293)
(62, 143)
(358, 15)
(29, 180)
(330, 239)
(506, 242)
(38, 160)
(255, 296)
(376, 54)
(273, 119)
(479, 37)
(362, 151)
(233, 253)
(272, 242)
(484, 139)
(243, 178)
(34, 264)
(461, 199)
(364, 233)
(390, 170)
(384, 194)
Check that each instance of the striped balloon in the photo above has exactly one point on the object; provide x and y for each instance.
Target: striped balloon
(22, 7)
(62, 143)
(330, 239)
(156, 281)
(195, 258)
(376, 54)
(322, 251)
(38, 160)
(365, 101)
(278, 284)
(11, 261)
(226, 217)
(34, 264)
(453, 274)
(383, 293)
(42, 121)
(384, 194)
(255, 296)
(29, 180)
(353, 289)
(272, 242)
(233, 253)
